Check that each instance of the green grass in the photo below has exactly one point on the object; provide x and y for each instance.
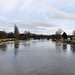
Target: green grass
(7, 39)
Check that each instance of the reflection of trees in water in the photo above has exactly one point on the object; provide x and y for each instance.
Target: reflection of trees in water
(26, 43)
(22, 43)
(16, 46)
(3, 47)
(64, 46)
(72, 48)
(58, 45)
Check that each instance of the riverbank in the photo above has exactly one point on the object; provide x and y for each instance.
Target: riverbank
(64, 41)
(7, 39)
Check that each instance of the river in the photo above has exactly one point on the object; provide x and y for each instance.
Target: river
(37, 57)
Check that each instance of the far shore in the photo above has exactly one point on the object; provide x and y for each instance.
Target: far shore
(7, 39)
(55, 40)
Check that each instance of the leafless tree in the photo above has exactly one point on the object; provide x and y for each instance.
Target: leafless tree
(59, 31)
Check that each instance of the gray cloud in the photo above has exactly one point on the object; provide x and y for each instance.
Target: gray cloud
(33, 25)
(41, 27)
(57, 14)
(5, 26)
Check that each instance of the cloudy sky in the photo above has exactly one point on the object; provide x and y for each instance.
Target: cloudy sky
(37, 16)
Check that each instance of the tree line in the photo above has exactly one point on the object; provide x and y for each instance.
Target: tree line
(27, 35)
(24, 36)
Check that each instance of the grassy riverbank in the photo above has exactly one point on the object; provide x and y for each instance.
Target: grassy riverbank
(7, 39)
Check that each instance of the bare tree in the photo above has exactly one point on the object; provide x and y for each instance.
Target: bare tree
(59, 31)
(16, 32)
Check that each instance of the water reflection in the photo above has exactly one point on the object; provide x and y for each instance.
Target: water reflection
(73, 48)
(26, 43)
(61, 46)
(42, 58)
(64, 46)
(58, 45)
(20, 44)
(3, 47)
(16, 46)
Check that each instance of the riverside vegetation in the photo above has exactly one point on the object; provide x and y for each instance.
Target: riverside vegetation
(16, 35)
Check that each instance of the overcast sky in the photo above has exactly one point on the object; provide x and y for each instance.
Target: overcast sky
(37, 16)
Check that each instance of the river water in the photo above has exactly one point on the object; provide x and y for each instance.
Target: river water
(37, 57)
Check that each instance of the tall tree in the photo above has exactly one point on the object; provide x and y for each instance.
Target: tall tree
(16, 32)
(64, 35)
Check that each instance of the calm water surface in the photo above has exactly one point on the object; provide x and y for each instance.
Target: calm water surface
(37, 57)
